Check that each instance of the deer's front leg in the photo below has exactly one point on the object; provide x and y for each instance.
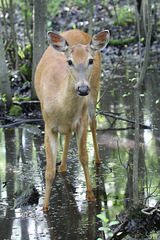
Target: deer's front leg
(81, 135)
(63, 167)
(51, 152)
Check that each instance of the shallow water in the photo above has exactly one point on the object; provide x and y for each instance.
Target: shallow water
(22, 162)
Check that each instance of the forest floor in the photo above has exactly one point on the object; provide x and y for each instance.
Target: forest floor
(105, 17)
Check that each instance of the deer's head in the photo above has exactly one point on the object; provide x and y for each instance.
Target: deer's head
(80, 58)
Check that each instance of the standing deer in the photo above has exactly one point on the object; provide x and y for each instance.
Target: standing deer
(67, 85)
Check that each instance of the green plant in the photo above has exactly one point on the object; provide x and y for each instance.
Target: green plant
(49, 25)
(78, 3)
(126, 94)
(16, 98)
(53, 6)
(4, 98)
(15, 111)
(28, 51)
(26, 10)
(26, 99)
(122, 41)
(81, 4)
(26, 70)
(125, 16)
(20, 51)
(106, 227)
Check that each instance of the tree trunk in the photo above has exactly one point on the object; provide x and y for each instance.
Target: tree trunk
(4, 19)
(136, 104)
(136, 149)
(13, 34)
(90, 27)
(142, 6)
(39, 37)
(4, 79)
(27, 23)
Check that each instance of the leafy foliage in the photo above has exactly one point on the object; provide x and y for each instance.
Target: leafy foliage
(106, 227)
(4, 98)
(52, 7)
(15, 111)
(125, 16)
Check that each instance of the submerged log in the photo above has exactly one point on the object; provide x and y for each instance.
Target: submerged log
(29, 196)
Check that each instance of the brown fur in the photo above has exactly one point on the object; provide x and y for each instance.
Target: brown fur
(62, 108)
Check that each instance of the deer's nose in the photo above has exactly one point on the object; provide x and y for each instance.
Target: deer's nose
(83, 91)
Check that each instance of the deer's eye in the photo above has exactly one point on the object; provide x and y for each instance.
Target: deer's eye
(70, 63)
(91, 61)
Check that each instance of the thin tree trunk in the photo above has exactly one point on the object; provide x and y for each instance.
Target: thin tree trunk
(136, 104)
(39, 37)
(27, 25)
(4, 79)
(90, 28)
(136, 148)
(13, 33)
(4, 19)
(147, 48)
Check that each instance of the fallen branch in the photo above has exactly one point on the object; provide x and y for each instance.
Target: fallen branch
(26, 102)
(151, 210)
(10, 125)
(143, 126)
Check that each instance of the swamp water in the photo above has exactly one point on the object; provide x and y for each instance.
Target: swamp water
(22, 162)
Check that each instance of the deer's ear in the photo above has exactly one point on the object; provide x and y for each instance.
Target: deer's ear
(57, 42)
(99, 41)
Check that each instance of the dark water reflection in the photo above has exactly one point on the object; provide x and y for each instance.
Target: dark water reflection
(22, 162)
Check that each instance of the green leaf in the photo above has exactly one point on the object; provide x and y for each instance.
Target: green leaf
(49, 24)
(4, 98)
(104, 229)
(110, 234)
(102, 217)
(113, 223)
(21, 53)
(126, 94)
(132, 79)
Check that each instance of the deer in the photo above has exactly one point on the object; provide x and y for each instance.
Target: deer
(67, 85)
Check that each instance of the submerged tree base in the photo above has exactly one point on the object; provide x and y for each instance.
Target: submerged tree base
(138, 222)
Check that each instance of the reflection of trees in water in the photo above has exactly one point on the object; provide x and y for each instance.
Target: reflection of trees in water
(9, 215)
(153, 106)
(19, 160)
